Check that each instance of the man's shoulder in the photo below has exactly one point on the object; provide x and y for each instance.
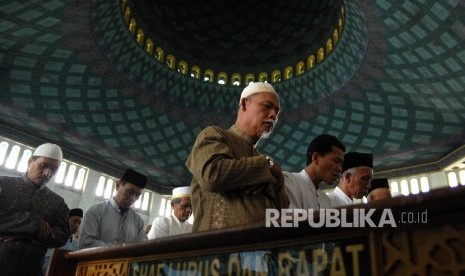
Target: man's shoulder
(290, 174)
(136, 214)
(5, 177)
(50, 195)
(291, 178)
(96, 206)
(161, 219)
(9, 179)
(212, 130)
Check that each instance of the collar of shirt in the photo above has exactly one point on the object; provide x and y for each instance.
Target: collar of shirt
(236, 131)
(116, 207)
(29, 182)
(174, 218)
(305, 178)
(342, 196)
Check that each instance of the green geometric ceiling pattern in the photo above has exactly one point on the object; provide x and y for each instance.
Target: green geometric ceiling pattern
(72, 74)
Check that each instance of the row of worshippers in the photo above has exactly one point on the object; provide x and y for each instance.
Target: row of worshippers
(98, 228)
(232, 185)
(34, 219)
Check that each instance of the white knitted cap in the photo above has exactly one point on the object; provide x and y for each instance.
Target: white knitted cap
(257, 87)
(49, 150)
(181, 192)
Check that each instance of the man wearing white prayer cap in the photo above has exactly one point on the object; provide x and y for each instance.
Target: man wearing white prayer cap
(49, 150)
(233, 183)
(32, 217)
(177, 223)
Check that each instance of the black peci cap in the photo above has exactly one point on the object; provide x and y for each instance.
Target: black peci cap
(379, 183)
(357, 159)
(76, 212)
(135, 178)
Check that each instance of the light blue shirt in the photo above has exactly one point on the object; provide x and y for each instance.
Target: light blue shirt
(105, 224)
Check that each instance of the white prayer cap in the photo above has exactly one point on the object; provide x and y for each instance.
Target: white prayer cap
(257, 87)
(49, 150)
(181, 192)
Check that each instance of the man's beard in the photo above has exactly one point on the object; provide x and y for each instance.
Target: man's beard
(267, 134)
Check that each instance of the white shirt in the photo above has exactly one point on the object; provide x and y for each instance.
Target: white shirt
(338, 198)
(168, 226)
(302, 192)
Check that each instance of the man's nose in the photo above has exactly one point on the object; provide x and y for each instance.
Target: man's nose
(48, 172)
(274, 114)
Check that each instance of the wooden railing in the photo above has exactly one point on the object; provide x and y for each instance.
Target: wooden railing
(415, 235)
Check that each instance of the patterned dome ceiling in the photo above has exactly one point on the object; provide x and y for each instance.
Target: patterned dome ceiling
(74, 74)
(237, 36)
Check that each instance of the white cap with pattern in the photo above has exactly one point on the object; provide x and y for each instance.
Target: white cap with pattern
(49, 150)
(181, 192)
(257, 87)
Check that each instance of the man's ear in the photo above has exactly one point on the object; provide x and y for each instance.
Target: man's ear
(118, 184)
(243, 104)
(347, 176)
(315, 158)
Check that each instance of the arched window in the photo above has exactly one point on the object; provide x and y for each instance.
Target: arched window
(149, 46)
(100, 186)
(140, 37)
(159, 54)
(424, 184)
(69, 180)
(275, 76)
(394, 187)
(222, 78)
(329, 46)
(300, 68)
(81, 178)
(311, 62)
(209, 75)
(452, 179)
(414, 188)
(195, 72)
(263, 77)
(249, 78)
(462, 177)
(236, 79)
(109, 187)
(404, 189)
(127, 15)
(182, 67)
(171, 61)
(161, 211)
(13, 157)
(288, 72)
(60, 176)
(23, 163)
(335, 36)
(320, 55)
(132, 26)
(3, 149)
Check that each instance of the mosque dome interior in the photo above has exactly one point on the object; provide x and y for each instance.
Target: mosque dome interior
(129, 84)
